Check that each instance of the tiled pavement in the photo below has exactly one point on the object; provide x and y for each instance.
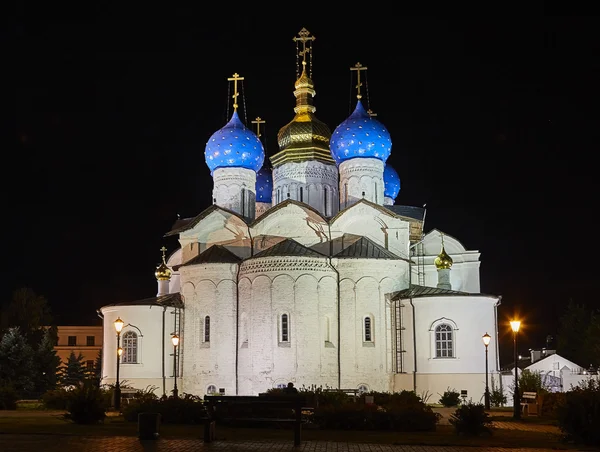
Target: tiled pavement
(58, 443)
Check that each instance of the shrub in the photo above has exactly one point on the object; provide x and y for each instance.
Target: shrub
(549, 403)
(8, 398)
(186, 409)
(471, 419)
(450, 398)
(497, 396)
(579, 415)
(86, 404)
(55, 399)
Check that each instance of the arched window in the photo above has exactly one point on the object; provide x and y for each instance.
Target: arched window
(301, 194)
(285, 328)
(130, 348)
(444, 341)
(212, 389)
(368, 329)
(207, 329)
(325, 200)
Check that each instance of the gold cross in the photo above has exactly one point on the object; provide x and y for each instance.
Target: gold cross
(258, 122)
(304, 36)
(235, 79)
(164, 250)
(371, 113)
(358, 67)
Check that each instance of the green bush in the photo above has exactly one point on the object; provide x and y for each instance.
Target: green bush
(187, 409)
(579, 415)
(8, 398)
(549, 403)
(55, 399)
(450, 398)
(86, 404)
(471, 419)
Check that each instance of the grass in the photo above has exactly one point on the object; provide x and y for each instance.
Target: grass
(32, 421)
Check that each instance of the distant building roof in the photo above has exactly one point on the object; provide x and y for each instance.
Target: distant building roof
(288, 247)
(416, 213)
(216, 254)
(365, 248)
(171, 300)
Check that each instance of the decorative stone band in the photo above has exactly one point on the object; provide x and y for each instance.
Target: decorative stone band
(284, 264)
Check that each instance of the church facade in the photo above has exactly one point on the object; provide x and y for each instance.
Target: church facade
(305, 269)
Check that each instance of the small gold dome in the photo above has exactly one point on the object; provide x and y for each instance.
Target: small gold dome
(163, 272)
(443, 261)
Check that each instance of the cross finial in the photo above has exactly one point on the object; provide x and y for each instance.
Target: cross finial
(235, 79)
(371, 113)
(306, 39)
(164, 250)
(358, 67)
(258, 121)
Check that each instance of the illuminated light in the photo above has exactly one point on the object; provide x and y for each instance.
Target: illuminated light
(515, 325)
(119, 324)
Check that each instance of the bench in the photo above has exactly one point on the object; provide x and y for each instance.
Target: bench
(261, 409)
(529, 403)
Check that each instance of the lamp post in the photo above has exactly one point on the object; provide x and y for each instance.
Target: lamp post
(118, 327)
(175, 340)
(486, 341)
(515, 325)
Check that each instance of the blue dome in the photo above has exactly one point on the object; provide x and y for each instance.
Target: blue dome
(264, 185)
(234, 146)
(391, 182)
(360, 136)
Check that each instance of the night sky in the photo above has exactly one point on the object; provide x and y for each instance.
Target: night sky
(494, 126)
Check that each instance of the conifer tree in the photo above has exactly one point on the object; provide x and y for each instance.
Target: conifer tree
(47, 363)
(73, 371)
(17, 362)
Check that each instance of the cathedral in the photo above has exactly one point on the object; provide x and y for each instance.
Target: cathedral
(305, 269)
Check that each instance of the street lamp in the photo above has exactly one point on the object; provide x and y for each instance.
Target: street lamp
(486, 341)
(175, 340)
(515, 325)
(118, 327)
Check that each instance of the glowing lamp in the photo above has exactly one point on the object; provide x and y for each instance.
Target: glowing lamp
(175, 340)
(515, 325)
(119, 325)
(486, 339)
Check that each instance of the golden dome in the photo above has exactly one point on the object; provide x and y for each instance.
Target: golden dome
(305, 137)
(443, 261)
(163, 272)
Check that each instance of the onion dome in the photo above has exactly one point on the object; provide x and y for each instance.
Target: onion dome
(443, 261)
(360, 135)
(234, 146)
(163, 272)
(264, 185)
(391, 182)
(305, 137)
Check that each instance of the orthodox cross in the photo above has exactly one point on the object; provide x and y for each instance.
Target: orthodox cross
(258, 122)
(371, 113)
(358, 67)
(235, 79)
(304, 37)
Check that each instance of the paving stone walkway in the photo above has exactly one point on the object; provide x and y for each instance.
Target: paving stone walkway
(61, 443)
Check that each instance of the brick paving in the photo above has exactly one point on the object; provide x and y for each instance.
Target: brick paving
(61, 443)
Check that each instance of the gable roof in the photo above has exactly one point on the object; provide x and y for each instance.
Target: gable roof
(216, 254)
(416, 291)
(288, 247)
(416, 213)
(171, 300)
(365, 248)
(188, 223)
(282, 205)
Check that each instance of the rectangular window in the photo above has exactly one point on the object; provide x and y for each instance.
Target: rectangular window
(325, 206)
(368, 336)
(284, 328)
(207, 329)
(301, 194)
(90, 341)
(72, 340)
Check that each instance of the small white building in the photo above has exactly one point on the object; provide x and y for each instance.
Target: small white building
(331, 284)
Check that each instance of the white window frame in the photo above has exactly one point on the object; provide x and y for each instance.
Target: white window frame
(454, 332)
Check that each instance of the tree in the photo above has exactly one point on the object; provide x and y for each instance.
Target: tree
(17, 358)
(97, 372)
(571, 343)
(73, 371)
(47, 363)
(28, 311)
(592, 341)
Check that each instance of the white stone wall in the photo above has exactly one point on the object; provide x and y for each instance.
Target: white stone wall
(365, 220)
(361, 178)
(469, 317)
(235, 189)
(311, 182)
(209, 290)
(218, 227)
(305, 290)
(364, 284)
(153, 346)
